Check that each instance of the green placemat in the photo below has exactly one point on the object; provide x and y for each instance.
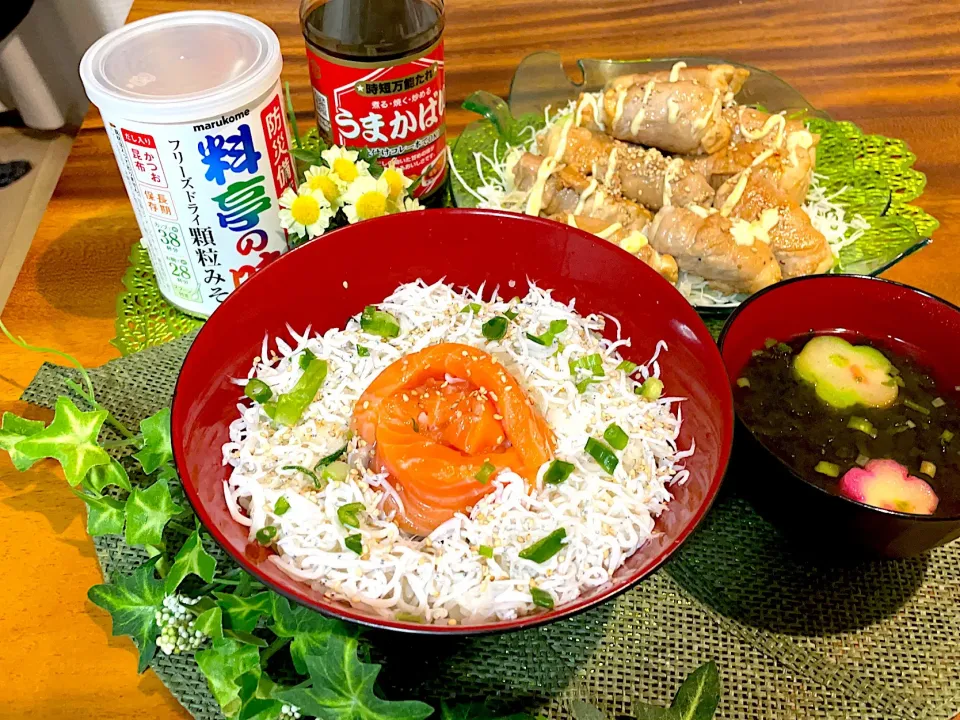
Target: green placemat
(793, 639)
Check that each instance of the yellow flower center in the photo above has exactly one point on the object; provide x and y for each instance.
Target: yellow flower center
(305, 210)
(326, 185)
(345, 169)
(370, 205)
(394, 182)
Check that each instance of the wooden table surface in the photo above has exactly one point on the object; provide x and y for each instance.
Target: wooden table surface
(891, 66)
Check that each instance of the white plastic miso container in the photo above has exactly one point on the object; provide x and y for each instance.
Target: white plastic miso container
(192, 104)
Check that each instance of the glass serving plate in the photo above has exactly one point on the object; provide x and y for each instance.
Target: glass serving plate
(869, 175)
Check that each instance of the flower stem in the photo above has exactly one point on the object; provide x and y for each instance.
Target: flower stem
(273, 649)
(108, 444)
(177, 526)
(20, 342)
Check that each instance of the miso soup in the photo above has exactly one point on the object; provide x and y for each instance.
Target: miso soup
(858, 419)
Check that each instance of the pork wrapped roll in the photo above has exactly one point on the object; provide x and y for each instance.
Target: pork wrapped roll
(762, 212)
(702, 244)
(640, 174)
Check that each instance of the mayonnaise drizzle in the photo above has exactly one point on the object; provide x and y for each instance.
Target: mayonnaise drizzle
(588, 100)
(737, 193)
(777, 121)
(642, 113)
(609, 230)
(535, 199)
(669, 175)
(799, 138)
(675, 70)
(701, 123)
(633, 242)
(618, 111)
(762, 157)
(587, 192)
(673, 111)
(562, 145)
(572, 221)
(611, 166)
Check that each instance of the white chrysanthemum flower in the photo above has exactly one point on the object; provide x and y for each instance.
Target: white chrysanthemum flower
(397, 182)
(366, 198)
(324, 180)
(411, 204)
(344, 163)
(304, 211)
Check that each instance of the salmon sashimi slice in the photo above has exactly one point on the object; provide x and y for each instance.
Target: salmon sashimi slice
(437, 418)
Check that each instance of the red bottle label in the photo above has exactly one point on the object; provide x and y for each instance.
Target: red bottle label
(395, 110)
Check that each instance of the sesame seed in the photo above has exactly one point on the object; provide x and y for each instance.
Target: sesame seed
(366, 404)
(464, 353)
(451, 622)
(406, 398)
(498, 417)
(345, 285)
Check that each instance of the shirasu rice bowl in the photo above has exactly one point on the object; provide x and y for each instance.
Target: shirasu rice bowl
(469, 570)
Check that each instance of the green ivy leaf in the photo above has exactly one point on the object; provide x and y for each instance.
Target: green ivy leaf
(71, 439)
(697, 698)
(256, 696)
(132, 603)
(192, 558)
(157, 450)
(104, 514)
(168, 472)
(113, 473)
(246, 638)
(148, 511)
(243, 613)
(223, 665)
(210, 623)
(15, 429)
(310, 630)
(342, 688)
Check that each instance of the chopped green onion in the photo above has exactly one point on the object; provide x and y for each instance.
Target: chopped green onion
(408, 617)
(616, 437)
(354, 542)
(324, 461)
(863, 425)
(556, 327)
(928, 468)
(916, 406)
(783, 347)
(306, 357)
(266, 534)
(347, 514)
(335, 472)
(756, 353)
(258, 391)
(494, 328)
(938, 402)
(651, 389)
(769, 343)
(743, 382)
(270, 408)
(946, 436)
(485, 551)
(511, 314)
(604, 456)
(827, 468)
(485, 472)
(281, 506)
(541, 598)
(306, 471)
(627, 366)
(582, 385)
(593, 363)
(471, 308)
(899, 381)
(378, 322)
(911, 424)
(862, 460)
(557, 472)
(545, 548)
(290, 405)
(362, 351)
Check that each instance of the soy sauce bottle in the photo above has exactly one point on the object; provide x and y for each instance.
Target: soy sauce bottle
(376, 67)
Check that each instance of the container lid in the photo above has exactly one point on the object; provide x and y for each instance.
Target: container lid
(181, 66)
